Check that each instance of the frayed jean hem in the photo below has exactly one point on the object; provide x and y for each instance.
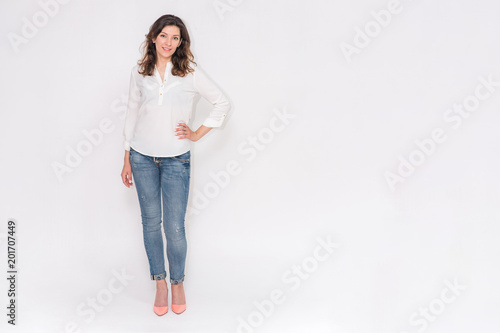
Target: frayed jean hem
(177, 281)
(159, 276)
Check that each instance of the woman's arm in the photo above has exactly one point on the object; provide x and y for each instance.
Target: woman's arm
(220, 107)
(134, 97)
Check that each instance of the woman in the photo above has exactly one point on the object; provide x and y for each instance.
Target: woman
(157, 142)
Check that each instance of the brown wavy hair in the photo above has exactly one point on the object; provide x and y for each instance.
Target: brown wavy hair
(182, 57)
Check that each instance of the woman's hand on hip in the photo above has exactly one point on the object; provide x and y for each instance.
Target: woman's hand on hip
(184, 132)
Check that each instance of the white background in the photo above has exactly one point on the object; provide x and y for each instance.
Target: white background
(322, 175)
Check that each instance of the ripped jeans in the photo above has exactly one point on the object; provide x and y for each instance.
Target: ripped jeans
(163, 180)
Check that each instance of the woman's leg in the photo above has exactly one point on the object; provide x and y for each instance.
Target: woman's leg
(175, 177)
(146, 175)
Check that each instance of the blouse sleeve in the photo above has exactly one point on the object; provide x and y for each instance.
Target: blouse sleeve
(133, 105)
(208, 90)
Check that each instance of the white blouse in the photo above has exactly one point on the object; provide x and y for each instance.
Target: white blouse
(155, 107)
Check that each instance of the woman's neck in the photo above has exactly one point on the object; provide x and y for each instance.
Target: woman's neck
(162, 62)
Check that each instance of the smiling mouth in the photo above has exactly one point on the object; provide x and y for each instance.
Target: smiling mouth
(168, 50)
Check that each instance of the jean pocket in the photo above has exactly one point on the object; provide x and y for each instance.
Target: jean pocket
(186, 157)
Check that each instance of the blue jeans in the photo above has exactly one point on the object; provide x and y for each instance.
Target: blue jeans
(163, 180)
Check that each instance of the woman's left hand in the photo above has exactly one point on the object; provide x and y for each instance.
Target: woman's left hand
(184, 132)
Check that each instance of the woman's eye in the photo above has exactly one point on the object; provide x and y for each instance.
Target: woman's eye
(176, 38)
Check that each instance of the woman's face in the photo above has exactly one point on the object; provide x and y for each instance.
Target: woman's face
(167, 41)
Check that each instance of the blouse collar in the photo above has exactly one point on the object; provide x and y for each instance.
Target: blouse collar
(157, 72)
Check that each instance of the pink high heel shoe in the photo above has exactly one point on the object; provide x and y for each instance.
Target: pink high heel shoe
(178, 308)
(160, 310)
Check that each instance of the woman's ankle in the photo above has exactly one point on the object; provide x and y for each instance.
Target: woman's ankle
(161, 284)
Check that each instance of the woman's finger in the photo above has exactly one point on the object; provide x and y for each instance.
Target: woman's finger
(129, 179)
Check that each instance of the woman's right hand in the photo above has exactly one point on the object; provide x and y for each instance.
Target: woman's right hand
(127, 170)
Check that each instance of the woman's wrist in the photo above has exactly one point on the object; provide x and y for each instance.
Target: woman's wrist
(127, 156)
(200, 132)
